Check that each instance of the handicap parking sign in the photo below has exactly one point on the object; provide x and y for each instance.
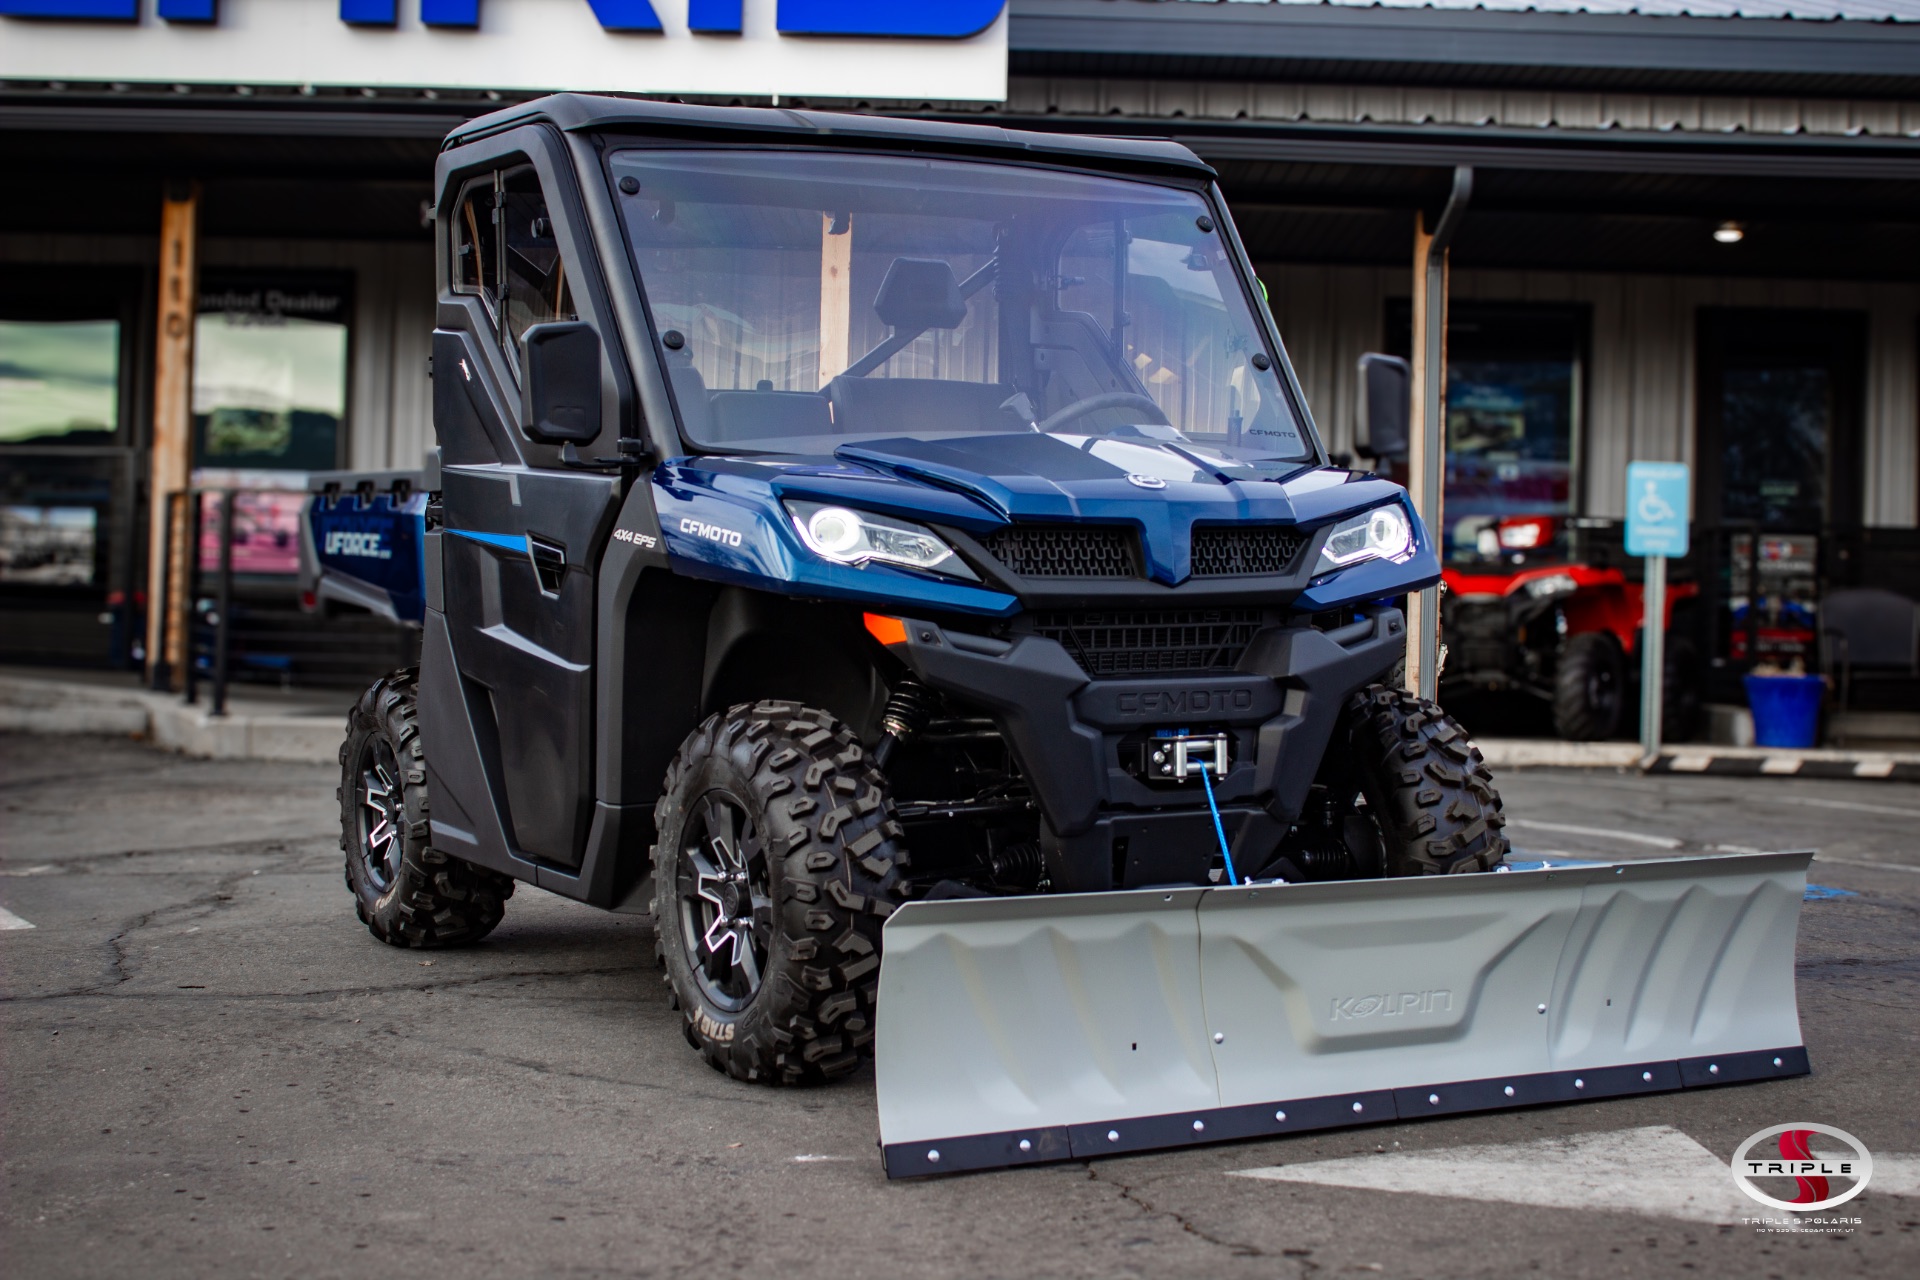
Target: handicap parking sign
(1657, 508)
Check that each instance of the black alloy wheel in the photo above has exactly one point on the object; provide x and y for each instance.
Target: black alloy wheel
(382, 813)
(408, 893)
(726, 901)
(777, 860)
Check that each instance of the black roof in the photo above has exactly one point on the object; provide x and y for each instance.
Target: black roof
(581, 112)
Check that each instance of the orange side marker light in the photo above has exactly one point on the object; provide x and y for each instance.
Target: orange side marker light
(884, 629)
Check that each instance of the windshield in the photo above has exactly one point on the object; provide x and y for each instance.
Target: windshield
(806, 300)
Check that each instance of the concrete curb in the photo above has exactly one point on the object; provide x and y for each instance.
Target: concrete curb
(1551, 753)
(70, 707)
(37, 705)
(1715, 761)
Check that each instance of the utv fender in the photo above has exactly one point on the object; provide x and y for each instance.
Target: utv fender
(762, 646)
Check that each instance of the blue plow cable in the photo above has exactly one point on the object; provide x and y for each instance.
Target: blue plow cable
(1206, 780)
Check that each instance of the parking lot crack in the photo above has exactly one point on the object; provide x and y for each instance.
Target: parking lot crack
(1132, 1196)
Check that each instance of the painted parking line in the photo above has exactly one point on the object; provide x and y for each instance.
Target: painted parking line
(1598, 833)
(1867, 862)
(1656, 1171)
(1846, 806)
(8, 920)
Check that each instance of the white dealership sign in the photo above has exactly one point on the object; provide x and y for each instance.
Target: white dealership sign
(894, 49)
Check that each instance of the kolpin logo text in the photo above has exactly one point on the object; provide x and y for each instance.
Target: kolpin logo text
(1395, 1005)
(342, 542)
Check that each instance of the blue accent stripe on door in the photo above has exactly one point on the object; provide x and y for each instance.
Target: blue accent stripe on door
(505, 541)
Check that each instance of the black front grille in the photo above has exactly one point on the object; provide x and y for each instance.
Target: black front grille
(1246, 549)
(1150, 641)
(1063, 550)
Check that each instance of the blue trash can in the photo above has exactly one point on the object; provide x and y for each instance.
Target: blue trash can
(1786, 709)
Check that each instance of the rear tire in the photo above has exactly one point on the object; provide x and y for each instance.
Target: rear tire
(1426, 785)
(1680, 705)
(1588, 689)
(408, 893)
(779, 859)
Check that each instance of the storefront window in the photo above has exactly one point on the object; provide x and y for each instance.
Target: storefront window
(270, 374)
(48, 546)
(1513, 413)
(59, 381)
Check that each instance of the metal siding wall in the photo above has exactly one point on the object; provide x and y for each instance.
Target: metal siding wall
(1893, 406)
(1640, 391)
(390, 400)
(389, 405)
(1473, 107)
(1329, 317)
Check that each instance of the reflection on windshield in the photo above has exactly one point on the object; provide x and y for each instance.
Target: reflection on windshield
(805, 299)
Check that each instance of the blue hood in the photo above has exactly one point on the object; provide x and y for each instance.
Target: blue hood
(978, 483)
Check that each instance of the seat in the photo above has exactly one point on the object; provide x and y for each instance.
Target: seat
(742, 417)
(1868, 631)
(869, 405)
(690, 394)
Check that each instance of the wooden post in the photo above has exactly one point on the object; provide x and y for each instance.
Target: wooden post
(1426, 454)
(170, 463)
(836, 295)
(1427, 423)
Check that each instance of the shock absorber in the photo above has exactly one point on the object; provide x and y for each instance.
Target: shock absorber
(909, 707)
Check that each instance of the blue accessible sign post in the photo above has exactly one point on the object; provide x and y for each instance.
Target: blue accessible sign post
(1658, 497)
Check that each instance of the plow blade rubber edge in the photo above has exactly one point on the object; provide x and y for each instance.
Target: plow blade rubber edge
(1021, 1030)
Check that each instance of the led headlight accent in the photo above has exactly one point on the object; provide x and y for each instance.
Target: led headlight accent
(851, 537)
(1383, 533)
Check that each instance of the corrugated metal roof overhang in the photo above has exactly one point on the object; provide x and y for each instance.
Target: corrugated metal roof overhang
(1426, 45)
(575, 112)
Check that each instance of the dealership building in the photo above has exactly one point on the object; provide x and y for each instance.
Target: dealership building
(1686, 229)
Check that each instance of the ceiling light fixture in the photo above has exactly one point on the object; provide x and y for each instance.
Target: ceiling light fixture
(1729, 233)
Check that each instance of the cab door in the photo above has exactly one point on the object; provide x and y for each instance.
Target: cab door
(508, 660)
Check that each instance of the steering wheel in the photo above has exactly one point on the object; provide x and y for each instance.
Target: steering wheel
(1094, 404)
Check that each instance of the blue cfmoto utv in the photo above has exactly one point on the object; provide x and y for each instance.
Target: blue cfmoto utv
(834, 512)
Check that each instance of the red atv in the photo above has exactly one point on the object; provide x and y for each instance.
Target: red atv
(1552, 607)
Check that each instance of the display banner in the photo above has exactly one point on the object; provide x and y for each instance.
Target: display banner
(918, 50)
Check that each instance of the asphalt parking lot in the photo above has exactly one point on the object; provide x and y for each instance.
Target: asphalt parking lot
(211, 1069)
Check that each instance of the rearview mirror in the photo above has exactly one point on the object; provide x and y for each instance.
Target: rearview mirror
(1385, 406)
(560, 396)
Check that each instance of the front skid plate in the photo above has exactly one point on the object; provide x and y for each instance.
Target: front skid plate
(1020, 1030)
(1306, 1115)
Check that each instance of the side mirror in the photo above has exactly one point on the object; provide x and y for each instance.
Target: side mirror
(1386, 405)
(560, 376)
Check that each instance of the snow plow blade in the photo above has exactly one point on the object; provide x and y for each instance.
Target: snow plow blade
(1022, 1030)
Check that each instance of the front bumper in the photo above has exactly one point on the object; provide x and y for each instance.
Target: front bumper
(1102, 826)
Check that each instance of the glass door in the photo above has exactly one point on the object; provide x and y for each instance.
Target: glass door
(1779, 470)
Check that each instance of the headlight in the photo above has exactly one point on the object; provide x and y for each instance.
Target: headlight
(1553, 584)
(1383, 533)
(845, 536)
